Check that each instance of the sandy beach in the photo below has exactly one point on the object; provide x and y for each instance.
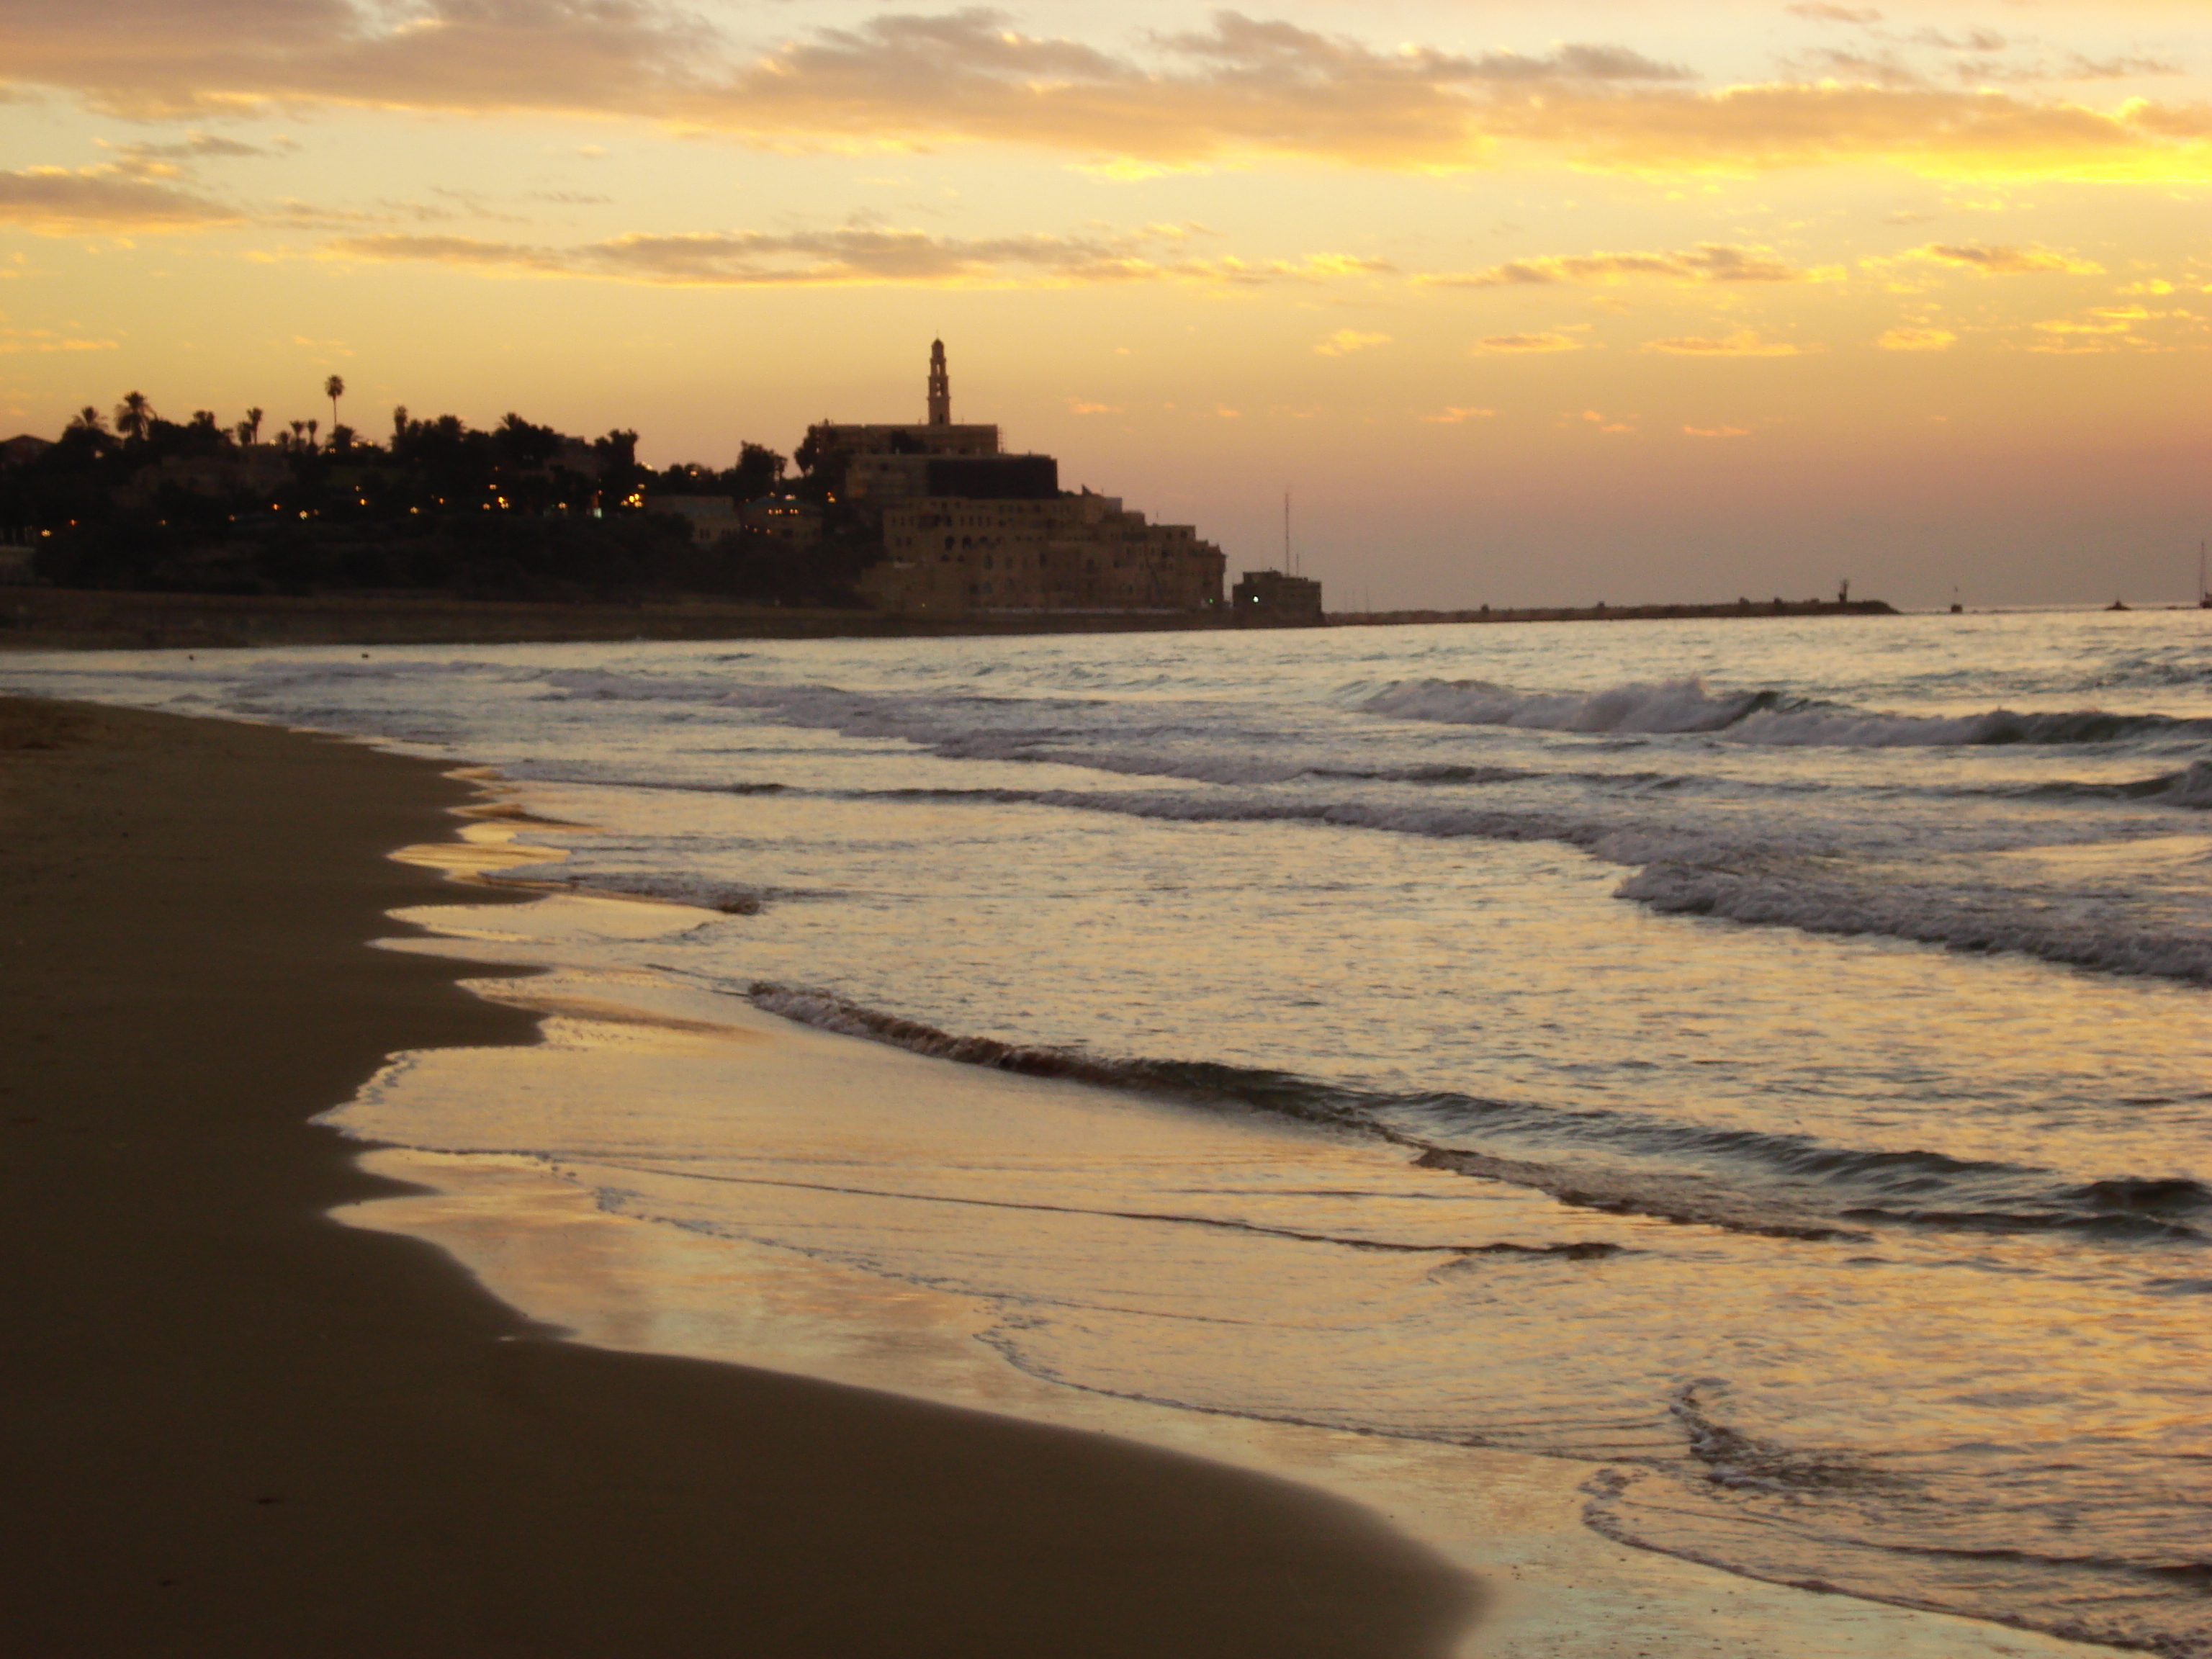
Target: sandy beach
(241, 1428)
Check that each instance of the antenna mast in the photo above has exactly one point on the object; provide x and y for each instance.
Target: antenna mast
(1289, 570)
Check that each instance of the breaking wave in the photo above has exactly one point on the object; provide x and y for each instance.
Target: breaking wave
(1762, 717)
(1669, 706)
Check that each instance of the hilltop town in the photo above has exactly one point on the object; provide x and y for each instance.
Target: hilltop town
(932, 520)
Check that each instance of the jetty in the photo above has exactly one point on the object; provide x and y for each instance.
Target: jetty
(1775, 607)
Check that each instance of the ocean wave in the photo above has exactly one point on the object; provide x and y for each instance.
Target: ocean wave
(1961, 918)
(2191, 787)
(1809, 728)
(1819, 880)
(1439, 772)
(1767, 716)
(1818, 885)
(732, 898)
(1441, 821)
(1838, 1512)
(1777, 1185)
(2121, 1208)
(1669, 706)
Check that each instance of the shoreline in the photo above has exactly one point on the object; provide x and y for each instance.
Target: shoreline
(245, 1429)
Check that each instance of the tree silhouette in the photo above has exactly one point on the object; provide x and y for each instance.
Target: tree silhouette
(313, 427)
(758, 471)
(90, 419)
(134, 416)
(251, 425)
(398, 427)
(334, 389)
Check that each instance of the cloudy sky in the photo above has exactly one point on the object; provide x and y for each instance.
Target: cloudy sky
(1526, 303)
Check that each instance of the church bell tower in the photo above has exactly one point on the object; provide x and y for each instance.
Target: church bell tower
(941, 386)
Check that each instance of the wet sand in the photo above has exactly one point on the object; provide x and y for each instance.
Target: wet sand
(237, 1427)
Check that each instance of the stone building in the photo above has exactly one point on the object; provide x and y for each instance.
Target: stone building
(1271, 596)
(786, 518)
(1081, 552)
(966, 526)
(709, 517)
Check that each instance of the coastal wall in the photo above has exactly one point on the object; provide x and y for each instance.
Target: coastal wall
(46, 619)
(51, 618)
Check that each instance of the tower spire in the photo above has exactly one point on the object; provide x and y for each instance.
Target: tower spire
(941, 386)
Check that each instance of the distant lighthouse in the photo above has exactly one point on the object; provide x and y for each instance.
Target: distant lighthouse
(941, 386)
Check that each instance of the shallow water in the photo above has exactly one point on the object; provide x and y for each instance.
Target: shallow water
(1767, 1059)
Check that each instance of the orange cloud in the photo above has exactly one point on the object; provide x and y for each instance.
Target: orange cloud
(2101, 326)
(58, 200)
(1456, 415)
(1966, 135)
(1742, 343)
(847, 256)
(1242, 88)
(1709, 262)
(45, 339)
(1346, 341)
(1528, 343)
(1917, 339)
(2006, 261)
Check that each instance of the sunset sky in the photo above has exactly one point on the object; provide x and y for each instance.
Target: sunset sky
(1592, 300)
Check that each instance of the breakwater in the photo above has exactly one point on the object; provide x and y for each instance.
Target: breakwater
(1619, 612)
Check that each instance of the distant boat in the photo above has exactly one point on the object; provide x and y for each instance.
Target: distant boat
(2116, 605)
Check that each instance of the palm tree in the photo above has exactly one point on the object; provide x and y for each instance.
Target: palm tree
(313, 427)
(134, 415)
(398, 426)
(90, 419)
(251, 425)
(334, 389)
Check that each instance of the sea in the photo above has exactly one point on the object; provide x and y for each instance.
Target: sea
(1767, 1063)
